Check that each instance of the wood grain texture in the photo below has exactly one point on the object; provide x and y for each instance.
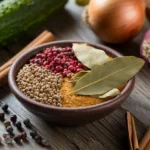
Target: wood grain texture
(109, 133)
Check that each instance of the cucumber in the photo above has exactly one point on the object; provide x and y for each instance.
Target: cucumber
(18, 16)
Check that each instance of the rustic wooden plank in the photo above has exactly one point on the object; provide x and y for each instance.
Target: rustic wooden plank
(109, 133)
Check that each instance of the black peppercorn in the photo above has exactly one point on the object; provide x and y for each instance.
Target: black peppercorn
(9, 129)
(2, 116)
(17, 138)
(27, 123)
(33, 134)
(4, 107)
(13, 118)
(38, 139)
(18, 124)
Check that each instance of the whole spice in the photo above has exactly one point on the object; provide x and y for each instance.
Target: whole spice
(40, 84)
(112, 20)
(27, 123)
(8, 138)
(13, 118)
(59, 60)
(38, 139)
(18, 125)
(33, 134)
(9, 129)
(17, 138)
(4, 107)
(7, 123)
(23, 135)
(45, 143)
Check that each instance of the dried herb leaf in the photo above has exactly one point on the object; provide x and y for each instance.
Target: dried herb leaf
(89, 56)
(78, 75)
(112, 74)
(112, 93)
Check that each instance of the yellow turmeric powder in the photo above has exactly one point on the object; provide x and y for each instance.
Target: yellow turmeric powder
(73, 100)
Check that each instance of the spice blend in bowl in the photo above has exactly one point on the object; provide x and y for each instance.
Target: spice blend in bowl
(68, 76)
(103, 82)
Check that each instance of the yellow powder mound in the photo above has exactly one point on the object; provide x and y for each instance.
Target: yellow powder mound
(72, 100)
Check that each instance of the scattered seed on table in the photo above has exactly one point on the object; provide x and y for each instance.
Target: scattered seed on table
(9, 129)
(4, 107)
(7, 123)
(38, 139)
(13, 118)
(8, 138)
(17, 138)
(45, 143)
(33, 134)
(18, 125)
(27, 123)
(23, 135)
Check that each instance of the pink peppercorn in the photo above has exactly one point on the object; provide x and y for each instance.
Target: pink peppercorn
(58, 60)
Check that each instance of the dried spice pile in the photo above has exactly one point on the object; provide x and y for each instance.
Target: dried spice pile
(76, 76)
(59, 60)
(40, 84)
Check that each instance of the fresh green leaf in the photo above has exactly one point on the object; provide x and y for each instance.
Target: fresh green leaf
(89, 56)
(112, 93)
(112, 74)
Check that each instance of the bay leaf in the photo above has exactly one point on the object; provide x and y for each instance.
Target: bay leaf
(89, 56)
(112, 74)
(112, 93)
(78, 75)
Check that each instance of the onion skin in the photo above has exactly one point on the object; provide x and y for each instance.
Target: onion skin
(116, 21)
(146, 37)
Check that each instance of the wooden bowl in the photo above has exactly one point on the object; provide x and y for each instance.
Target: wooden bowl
(64, 115)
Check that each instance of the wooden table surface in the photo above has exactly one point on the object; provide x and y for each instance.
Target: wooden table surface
(109, 133)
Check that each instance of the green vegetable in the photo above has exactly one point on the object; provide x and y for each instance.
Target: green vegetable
(112, 74)
(89, 56)
(18, 16)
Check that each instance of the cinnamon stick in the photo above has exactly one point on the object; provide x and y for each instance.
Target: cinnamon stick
(134, 135)
(147, 146)
(145, 140)
(42, 38)
(129, 125)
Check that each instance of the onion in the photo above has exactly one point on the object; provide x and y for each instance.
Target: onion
(115, 21)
